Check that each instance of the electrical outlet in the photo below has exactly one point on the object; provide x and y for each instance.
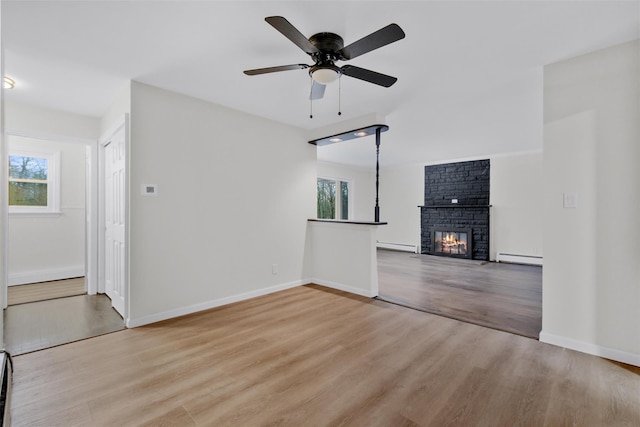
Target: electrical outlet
(274, 269)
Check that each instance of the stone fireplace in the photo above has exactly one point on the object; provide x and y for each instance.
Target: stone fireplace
(456, 201)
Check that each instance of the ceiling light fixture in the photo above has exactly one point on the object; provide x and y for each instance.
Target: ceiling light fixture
(325, 74)
(8, 83)
(351, 134)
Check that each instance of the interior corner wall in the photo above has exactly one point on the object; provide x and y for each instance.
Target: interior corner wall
(516, 200)
(229, 220)
(591, 287)
(401, 192)
(120, 106)
(363, 187)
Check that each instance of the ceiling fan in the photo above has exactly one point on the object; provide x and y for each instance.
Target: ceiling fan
(327, 48)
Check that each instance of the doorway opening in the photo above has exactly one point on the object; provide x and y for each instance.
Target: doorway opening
(51, 296)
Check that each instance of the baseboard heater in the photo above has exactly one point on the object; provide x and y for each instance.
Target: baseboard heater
(397, 246)
(519, 259)
(6, 379)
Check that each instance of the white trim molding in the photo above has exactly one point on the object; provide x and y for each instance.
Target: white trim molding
(342, 287)
(45, 275)
(589, 348)
(403, 247)
(183, 311)
(519, 259)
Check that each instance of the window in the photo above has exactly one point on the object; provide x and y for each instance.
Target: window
(333, 199)
(33, 182)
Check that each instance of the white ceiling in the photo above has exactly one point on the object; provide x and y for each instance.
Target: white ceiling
(469, 72)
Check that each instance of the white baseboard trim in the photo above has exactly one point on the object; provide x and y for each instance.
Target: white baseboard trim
(519, 259)
(594, 349)
(397, 247)
(158, 317)
(345, 288)
(45, 275)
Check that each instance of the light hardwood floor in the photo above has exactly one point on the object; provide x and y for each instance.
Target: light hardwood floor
(309, 356)
(42, 291)
(503, 296)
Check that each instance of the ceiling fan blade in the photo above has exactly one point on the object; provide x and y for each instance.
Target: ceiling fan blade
(368, 75)
(389, 34)
(275, 69)
(289, 31)
(317, 91)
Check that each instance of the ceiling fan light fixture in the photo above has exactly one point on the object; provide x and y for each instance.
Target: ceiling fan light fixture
(325, 74)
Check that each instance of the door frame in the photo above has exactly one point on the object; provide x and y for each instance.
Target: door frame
(122, 122)
(91, 195)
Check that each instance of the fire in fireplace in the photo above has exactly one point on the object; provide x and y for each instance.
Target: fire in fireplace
(453, 243)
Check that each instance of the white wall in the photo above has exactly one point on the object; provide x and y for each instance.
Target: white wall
(401, 192)
(121, 105)
(234, 195)
(50, 247)
(516, 199)
(591, 276)
(50, 123)
(363, 187)
(342, 256)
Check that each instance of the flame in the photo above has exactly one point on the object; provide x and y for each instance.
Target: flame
(450, 242)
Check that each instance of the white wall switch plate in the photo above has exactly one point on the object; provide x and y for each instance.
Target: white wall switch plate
(570, 200)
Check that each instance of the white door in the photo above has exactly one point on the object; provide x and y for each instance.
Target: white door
(114, 217)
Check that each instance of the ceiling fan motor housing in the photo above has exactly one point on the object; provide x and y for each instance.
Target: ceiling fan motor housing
(329, 45)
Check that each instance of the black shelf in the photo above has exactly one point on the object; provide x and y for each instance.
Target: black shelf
(342, 221)
(455, 205)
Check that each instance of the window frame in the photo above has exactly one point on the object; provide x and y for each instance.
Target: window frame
(338, 202)
(53, 182)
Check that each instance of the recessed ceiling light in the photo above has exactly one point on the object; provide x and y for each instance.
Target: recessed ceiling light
(335, 140)
(361, 133)
(8, 82)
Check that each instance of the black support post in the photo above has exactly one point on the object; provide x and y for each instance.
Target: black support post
(377, 208)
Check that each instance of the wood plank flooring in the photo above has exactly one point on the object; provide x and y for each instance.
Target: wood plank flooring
(502, 296)
(43, 324)
(309, 356)
(42, 291)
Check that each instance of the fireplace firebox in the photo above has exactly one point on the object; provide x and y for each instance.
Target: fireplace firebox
(452, 243)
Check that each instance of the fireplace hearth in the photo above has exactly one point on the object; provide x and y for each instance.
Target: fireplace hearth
(452, 243)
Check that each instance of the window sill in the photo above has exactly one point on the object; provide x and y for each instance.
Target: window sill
(35, 214)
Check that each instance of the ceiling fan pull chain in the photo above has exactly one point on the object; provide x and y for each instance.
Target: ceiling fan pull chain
(340, 95)
(311, 99)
